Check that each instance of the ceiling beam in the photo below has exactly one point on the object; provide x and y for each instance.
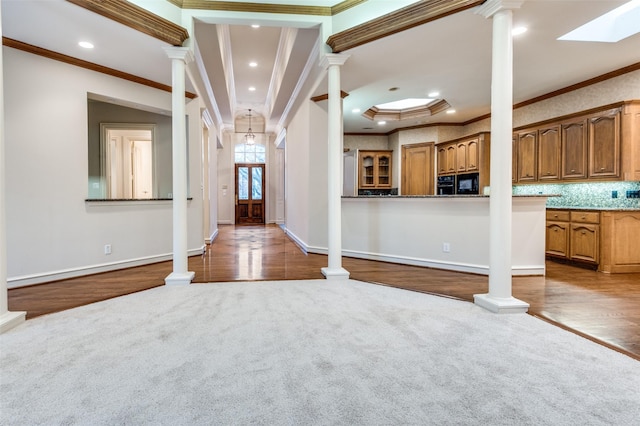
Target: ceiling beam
(250, 7)
(137, 18)
(402, 19)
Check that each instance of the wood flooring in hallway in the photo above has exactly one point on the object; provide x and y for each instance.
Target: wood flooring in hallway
(602, 307)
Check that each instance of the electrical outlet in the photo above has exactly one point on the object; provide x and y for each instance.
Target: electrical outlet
(446, 247)
(107, 249)
(633, 194)
(614, 194)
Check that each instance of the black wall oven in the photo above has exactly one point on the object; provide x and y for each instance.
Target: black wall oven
(446, 185)
(467, 183)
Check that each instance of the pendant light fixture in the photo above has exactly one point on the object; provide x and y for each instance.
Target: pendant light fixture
(249, 138)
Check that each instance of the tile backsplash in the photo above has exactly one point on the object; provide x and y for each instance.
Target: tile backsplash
(592, 194)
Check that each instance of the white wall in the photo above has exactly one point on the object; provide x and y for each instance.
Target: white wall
(297, 176)
(52, 232)
(318, 181)
(412, 231)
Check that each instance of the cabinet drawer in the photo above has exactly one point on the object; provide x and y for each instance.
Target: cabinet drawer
(585, 217)
(558, 215)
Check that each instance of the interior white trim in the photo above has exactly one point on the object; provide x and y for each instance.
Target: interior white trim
(63, 274)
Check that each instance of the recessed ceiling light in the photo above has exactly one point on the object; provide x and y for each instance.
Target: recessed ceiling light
(355, 110)
(382, 123)
(451, 111)
(518, 30)
(252, 89)
(255, 26)
(433, 94)
(611, 27)
(85, 44)
(253, 64)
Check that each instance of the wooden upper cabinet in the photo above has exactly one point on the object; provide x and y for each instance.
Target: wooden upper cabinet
(447, 159)
(461, 157)
(467, 156)
(549, 153)
(527, 144)
(574, 150)
(451, 159)
(375, 169)
(441, 160)
(604, 144)
(514, 159)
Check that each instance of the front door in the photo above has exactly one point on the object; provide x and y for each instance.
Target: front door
(249, 194)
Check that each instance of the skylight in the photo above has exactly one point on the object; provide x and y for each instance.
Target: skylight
(611, 27)
(405, 103)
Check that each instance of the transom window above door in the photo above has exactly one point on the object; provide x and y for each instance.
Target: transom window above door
(254, 153)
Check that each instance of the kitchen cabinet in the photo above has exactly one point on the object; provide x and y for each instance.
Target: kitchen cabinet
(620, 242)
(527, 144)
(375, 169)
(594, 145)
(557, 234)
(447, 156)
(604, 144)
(573, 236)
(574, 150)
(467, 156)
(549, 153)
(584, 242)
(514, 159)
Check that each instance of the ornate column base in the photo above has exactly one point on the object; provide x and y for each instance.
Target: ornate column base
(335, 274)
(176, 279)
(8, 320)
(499, 305)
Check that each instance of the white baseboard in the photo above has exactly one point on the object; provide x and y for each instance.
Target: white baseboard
(25, 280)
(430, 263)
(212, 237)
(226, 222)
(303, 246)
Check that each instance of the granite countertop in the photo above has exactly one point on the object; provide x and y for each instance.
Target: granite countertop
(596, 209)
(445, 196)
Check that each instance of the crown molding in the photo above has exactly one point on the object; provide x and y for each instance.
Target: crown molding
(50, 54)
(374, 113)
(249, 7)
(324, 97)
(137, 18)
(402, 19)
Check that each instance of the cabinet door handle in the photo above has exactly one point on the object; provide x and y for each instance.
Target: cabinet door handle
(573, 170)
(555, 215)
(583, 232)
(601, 168)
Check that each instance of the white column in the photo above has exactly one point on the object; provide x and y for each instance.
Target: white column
(180, 56)
(499, 298)
(334, 271)
(8, 319)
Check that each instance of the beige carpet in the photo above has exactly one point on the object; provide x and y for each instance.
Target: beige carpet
(306, 353)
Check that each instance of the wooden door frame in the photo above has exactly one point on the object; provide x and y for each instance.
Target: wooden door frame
(264, 201)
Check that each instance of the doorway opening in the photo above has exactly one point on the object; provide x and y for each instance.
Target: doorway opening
(249, 184)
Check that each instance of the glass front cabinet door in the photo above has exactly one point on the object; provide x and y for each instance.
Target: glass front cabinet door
(375, 169)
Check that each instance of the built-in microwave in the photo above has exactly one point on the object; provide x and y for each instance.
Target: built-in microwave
(467, 183)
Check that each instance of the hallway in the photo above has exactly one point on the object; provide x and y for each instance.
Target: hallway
(601, 307)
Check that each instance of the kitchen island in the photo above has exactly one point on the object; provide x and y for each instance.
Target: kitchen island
(440, 231)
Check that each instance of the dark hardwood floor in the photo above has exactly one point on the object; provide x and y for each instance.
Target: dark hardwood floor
(602, 307)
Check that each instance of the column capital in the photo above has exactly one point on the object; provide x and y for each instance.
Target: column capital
(491, 7)
(329, 59)
(177, 52)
